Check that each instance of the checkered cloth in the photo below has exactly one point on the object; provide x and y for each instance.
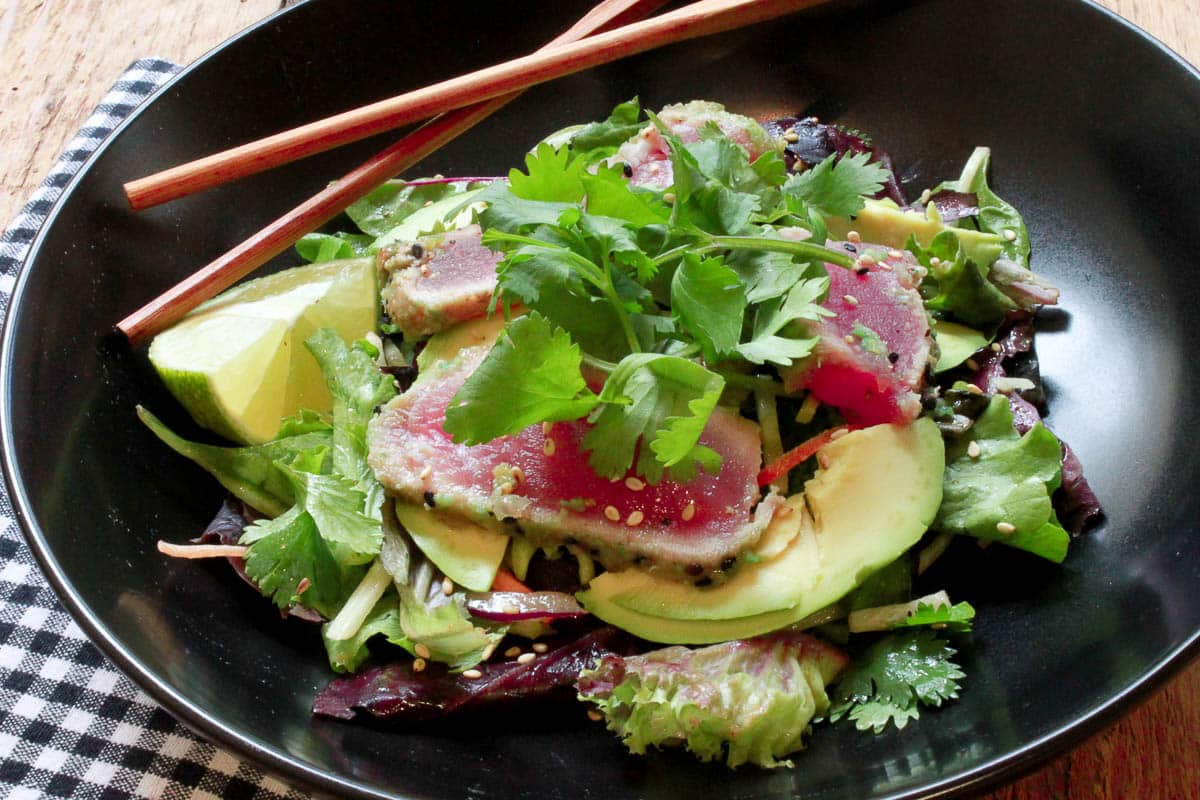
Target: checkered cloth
(71, 725)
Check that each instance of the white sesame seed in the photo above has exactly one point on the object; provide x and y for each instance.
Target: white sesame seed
(791, 136)
(421, 650)
(1010, 234)
(973, 389)
(518, 474)
(996, 348)
(894, 253)
(594, 715)
(973, 450)
(972, 364)
(1007, 528)
(511, 609)
(512, 652)
(634, 519)
(525, 658)
(689, 511)
(669, 197)
(447, 587)
(924, 198)
(418, 665)
(540, 647)
(634, 484)
(548, 447)
(934, 261)
(425, 473)
(612, 513)
(849, 339)
(472, 674)
(547, 427)
(853, 237)
(868, 260)
(428, 203)
(850, 299)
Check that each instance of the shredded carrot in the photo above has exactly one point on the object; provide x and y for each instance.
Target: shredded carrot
(505, 581)
(798, 455)
(201, 550)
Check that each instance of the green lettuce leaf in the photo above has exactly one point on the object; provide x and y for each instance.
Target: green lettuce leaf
(1009, 483)
(347, 655)
(601, 139)
(958, 285)
(746, 701)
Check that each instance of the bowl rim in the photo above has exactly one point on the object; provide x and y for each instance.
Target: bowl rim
(991, 773)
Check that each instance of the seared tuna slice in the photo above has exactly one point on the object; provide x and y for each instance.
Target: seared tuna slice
(538, 483)
(438, 281)
(649, 156)
(871, 358)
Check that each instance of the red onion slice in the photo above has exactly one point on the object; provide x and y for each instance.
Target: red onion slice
(516, 606)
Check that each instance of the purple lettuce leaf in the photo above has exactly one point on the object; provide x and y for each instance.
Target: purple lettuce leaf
(817, 141)
(395, 691)
(1075, 502)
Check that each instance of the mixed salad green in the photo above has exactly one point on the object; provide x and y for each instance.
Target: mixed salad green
(685, 379)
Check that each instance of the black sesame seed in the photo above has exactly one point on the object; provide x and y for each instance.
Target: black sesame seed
(666, 521)
(627, 169)
(416, 251)
(862, 271)
(705, 581)
(893, 357)
(509, 520)
(571, 540)
(694, 569)
(729, 562)
(429, 499)
(850, 248)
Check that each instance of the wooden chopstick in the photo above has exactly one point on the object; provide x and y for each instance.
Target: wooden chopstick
(698, 19)
(285, 231)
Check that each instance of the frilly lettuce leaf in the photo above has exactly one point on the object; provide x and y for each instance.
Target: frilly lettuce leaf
(750, 701)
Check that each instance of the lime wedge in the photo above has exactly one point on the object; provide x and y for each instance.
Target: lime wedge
(238, 362)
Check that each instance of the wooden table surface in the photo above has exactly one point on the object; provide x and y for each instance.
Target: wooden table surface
(57, 57)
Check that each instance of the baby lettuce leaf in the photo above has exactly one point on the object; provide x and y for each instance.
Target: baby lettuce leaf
(995, 215)
(1010, 483)
(748, 701)
(347, 655)
(250, 473)
(956, 284)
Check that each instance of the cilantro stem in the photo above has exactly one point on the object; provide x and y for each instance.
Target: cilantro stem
(815, 252)
(598, 363)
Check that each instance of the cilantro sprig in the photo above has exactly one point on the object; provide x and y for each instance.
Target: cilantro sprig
(890, 680)
(642, 305)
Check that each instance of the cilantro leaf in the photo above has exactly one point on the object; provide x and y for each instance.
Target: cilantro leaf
(535, 367)
(337, 509)
(551, 176)
(889, 680)
(708, 299)
(802, 302)
(1009, 483)
(610, 195)
(836, 186)
(288, 551)
(648, 397)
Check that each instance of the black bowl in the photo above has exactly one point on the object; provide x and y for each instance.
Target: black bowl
(1093, 128)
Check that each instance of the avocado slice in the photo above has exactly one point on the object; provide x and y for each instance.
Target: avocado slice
(883, 222)
(956, 343)
(466, 552)
(877, 496)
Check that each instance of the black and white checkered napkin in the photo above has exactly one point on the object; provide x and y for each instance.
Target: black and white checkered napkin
(71, 725)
